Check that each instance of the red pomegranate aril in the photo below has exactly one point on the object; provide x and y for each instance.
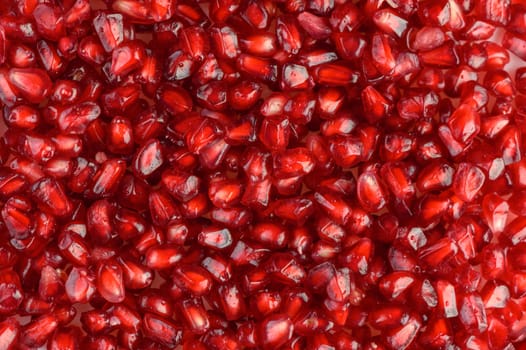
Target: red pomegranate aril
(110, 283)
(195, 41)
(499, 83)
(97, 322)
(11, 183)
(110, 29)
(179, 66)
(32, 83)
(50, 284)
(161, 330)
(152, 301)
(231, 301)
(19, 28)
(91, 51)
(128, 223)
(215, 237)
(65, 339)
(65, 92)
(50, 58)
(246, 253)
(382, 53)
(316, 27)
(195, 316)
(67, 47)
(390, 22)
(16, 217)
(21, 56)
(120, 98)
(259, 44)
(36, 333)
(515, 43)
(59, 167)
(264, 303)
(9, 333)
(127, 57)
(495, 11)
(288, 34)
(75, 119)
(498, 57)
(80, 285)
(176, 99)
(426, 38)
(244, 95)
(468, 181)
(370, 191)
(257, 13)
(192, 279)
(225, 42)
(218, 267)
(195, 207)
(162, 257)
(74, 248)
(22, 117)
(107, 178)
(375, 105)
(345, 17)
(286, 269)
(350, 46)
(404, 335)
(275, 331)
(258, 68)
(150, 238)
(447, 298)
(148, 159)
(444, 56)
(51, 197)
(435, 176)
(334, 74)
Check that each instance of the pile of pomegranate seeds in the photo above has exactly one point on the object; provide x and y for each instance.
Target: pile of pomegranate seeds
(263, 174)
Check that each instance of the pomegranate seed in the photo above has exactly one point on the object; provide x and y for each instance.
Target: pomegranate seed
(36, 333)
(32, 83)
(161, 330)
(9, 333)
(317, 27)
(110, 282)
(275, 331)
(91, 51)
(468, 181)
(51, 197)
(127, 57)
(258, 68)
(345, 17)
(21, 56)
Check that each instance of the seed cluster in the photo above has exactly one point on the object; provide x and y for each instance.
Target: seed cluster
(262, 174)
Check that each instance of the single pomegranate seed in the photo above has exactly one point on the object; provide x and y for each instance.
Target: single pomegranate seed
(32, 83)
(21, 56)
(51, 197)
(164, 257)
(468, 181)
(38, 331)
(161, 330)
(275, 331)
(9, 333)
(127, 57)
(107, 178)
(110, 282)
